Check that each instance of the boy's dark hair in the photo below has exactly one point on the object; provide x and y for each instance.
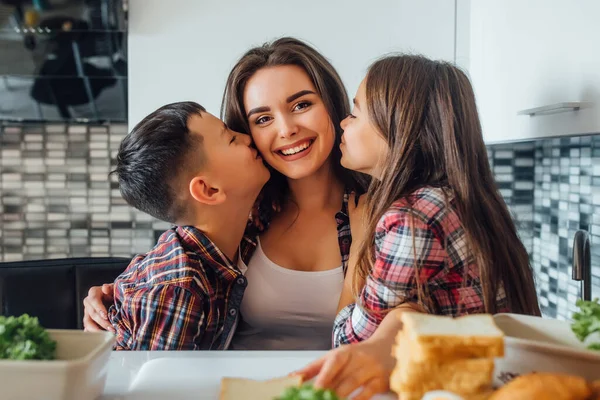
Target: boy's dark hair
(152, 155)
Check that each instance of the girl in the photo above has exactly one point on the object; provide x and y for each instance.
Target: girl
(442, 240)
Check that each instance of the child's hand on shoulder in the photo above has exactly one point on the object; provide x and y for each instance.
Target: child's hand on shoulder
(356, 213)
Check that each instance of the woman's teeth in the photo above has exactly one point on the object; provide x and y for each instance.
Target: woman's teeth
(297, 149)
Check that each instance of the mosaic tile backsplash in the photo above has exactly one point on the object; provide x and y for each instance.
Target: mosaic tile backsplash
(56, 197)
(553, 189)
(56, 201)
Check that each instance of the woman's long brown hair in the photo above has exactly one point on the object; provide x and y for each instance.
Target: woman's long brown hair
(426, 112)
(289, 51)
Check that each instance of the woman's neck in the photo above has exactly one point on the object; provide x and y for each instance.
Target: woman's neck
(322, 190)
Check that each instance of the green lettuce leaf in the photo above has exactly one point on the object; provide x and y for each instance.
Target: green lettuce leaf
(23, 338)
(586, 322)
(307, 392)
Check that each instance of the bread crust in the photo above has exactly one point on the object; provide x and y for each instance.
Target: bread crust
(435, 346)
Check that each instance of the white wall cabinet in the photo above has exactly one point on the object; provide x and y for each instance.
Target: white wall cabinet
(184, 49)
(534, 53)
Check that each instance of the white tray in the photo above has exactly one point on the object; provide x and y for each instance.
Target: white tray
(200, 378)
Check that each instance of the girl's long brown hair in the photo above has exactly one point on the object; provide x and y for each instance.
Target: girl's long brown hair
(426, 112)
(289, 51)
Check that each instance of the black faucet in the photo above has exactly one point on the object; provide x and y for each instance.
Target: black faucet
(582, 266)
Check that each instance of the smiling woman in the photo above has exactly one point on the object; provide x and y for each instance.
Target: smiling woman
(301, 147)
(291, 100)
(293, 131)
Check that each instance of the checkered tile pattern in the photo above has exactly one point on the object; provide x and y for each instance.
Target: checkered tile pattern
(56, 199)
(553, 189)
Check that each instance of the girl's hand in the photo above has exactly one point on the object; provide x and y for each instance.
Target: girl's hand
(366, 366)
(356, 213)
(357, 227)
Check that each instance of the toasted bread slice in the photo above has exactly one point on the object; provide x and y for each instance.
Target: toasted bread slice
(445, 338)
(461, 376)
(249, 389)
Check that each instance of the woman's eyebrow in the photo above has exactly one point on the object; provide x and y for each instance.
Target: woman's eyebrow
(257, 110)
(298, 94)
(288, 100)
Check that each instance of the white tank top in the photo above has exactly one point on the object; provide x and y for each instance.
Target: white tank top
(283, 309)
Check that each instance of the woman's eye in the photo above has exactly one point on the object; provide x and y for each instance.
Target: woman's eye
(262, 120)
(232, 139)
(351, 116)
(302, 105)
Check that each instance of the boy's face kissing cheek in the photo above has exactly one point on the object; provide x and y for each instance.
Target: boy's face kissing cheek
(232, 157)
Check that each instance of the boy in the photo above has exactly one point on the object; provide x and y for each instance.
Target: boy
(182, 165)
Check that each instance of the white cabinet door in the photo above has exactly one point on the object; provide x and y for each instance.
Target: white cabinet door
(534, 53)
(184, 49)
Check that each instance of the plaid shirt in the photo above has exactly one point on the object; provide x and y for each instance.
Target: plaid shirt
(437, 243)
(342, 219)
(182, 295)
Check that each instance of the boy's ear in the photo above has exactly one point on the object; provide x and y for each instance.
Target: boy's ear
(206, 192)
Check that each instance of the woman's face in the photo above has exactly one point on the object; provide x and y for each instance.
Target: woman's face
(288, 120)
(363, 147)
